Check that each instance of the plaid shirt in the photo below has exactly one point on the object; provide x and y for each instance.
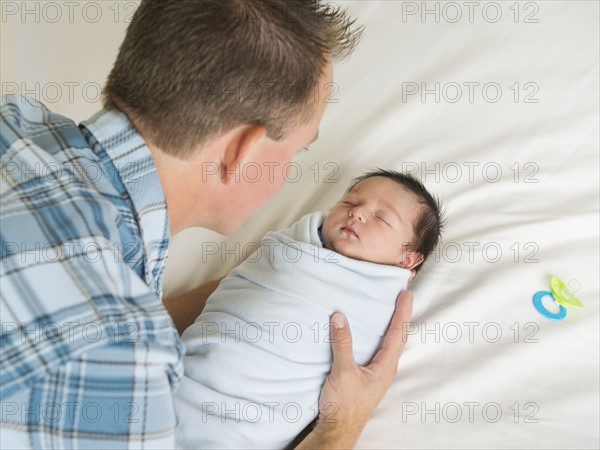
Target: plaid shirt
(90, 358)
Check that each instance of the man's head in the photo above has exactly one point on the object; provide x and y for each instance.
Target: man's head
(385, 217)
(220, 87)
(190, 70)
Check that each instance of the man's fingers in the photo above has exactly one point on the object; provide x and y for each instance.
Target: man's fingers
(395, 338)
(341, 342)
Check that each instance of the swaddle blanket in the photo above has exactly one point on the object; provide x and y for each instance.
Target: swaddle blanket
(258, 355)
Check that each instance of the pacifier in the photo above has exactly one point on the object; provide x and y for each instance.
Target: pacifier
(563, 296)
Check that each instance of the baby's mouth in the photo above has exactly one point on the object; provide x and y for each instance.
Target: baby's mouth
(350, 231)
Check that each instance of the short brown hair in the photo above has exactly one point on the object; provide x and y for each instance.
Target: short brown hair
(191, 69)
(429, 224)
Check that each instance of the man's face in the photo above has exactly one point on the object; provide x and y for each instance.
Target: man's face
(373, 222)
(261, 179)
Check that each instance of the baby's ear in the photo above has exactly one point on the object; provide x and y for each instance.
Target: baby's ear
(412, 259)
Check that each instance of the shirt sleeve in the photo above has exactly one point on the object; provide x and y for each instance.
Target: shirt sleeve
(98, 373)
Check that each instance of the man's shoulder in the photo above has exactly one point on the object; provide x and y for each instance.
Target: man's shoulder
(48, 169)
(21, 107)
(24, 119)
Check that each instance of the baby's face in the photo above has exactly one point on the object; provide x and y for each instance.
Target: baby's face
(374, 222)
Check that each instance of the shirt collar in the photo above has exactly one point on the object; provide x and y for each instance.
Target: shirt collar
(135, 166)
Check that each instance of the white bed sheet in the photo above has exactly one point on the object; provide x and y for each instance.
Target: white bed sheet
(515, 160)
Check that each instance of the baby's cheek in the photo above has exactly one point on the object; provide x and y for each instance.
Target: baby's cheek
(326, 230)
(388, 253)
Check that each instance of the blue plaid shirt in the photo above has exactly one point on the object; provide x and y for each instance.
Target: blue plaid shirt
(90, 358)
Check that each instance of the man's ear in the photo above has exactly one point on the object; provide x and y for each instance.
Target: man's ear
(241, 148)
(412, 259)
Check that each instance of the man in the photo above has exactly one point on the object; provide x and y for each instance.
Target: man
(90, 357)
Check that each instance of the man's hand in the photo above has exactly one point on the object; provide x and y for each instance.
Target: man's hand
(351, 392)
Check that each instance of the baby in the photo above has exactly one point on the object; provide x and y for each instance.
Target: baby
(258, 355)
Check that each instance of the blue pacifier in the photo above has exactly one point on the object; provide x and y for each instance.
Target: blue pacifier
(537, 302)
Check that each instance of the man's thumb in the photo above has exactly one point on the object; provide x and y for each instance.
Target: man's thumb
(341, 342)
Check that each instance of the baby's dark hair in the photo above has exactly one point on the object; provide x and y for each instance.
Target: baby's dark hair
(429, 224)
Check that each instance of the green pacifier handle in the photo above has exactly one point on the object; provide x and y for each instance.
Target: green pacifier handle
(563, 294)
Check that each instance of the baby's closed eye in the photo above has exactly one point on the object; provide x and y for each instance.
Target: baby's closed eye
(380, 217)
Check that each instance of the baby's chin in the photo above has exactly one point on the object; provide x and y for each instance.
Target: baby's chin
(343, 247)
(335, 247)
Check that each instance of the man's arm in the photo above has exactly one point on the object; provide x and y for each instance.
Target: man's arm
(351, 392)
(184, 309)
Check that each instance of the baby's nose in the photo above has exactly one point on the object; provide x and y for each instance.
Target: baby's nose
(358, 214)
